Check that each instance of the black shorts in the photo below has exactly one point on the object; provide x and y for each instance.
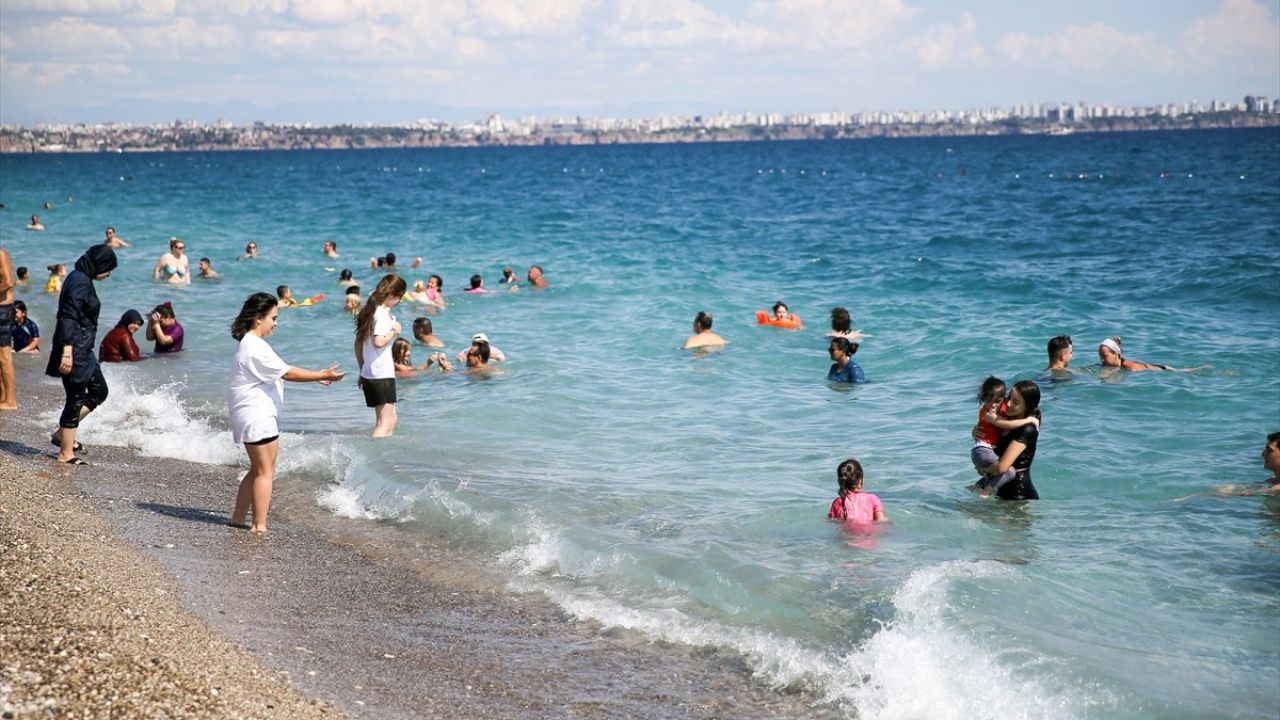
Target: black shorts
(379, 392)
(6, 325)
(264, 441)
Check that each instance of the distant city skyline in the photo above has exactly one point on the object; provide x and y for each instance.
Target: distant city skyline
(395, 61)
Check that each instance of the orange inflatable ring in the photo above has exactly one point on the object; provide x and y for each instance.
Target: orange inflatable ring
(792, 322)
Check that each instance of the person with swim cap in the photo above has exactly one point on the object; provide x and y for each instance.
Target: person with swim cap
(1111, 355)
(702, 335)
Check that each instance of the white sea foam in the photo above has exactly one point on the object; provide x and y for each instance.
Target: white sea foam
(919, 665)
(158, 422)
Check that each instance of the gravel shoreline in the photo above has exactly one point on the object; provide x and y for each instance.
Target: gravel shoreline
(124, 594)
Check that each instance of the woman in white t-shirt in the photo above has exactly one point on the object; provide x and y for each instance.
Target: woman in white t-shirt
(255, 396)
(376, 328)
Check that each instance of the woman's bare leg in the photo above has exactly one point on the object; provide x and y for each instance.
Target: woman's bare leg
(385, 423)
(255, 487)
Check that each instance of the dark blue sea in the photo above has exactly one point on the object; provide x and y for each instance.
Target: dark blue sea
(683, 496)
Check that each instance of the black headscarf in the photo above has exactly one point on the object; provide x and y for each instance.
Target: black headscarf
(130, 316)
(96, 260)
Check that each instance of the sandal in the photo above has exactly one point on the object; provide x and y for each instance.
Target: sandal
(73, 461)
(54, 440)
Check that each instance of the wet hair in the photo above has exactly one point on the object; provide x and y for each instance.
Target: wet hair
(390, 258)
(353, 289)
(843, 343)
(400, 349)
(990, 388)
(382, 262)
(388, 287)
(1272, 439)
(110, 229)
(849, 475)
(206, 261)
(476, 281)
(1057, 345)
(482, 348)
(439, 281)
(280, 290)
(780, 304)
(255, 307)
(331, 244)
(345, 274)
(19, 305)
(165, 310)
(703, 320)
(174, 241)
(250, 247)
(840, 320)
(57, 268)
(23, 272)
(422, 326)
(1030, 393)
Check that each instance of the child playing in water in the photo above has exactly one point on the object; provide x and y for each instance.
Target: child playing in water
(285, 297)
(401, 353)
(991, 422)
(852, 504)
(353, 299)
(57, 272)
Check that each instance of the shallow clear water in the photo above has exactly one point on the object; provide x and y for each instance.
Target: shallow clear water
(684, 495)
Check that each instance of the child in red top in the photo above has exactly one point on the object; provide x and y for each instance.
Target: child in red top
(852, 504)
(991, 423)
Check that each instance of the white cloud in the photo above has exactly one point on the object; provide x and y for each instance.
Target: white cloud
(529, 17)
(832, 24)
(657, 24)
(67, 37)
(1087, 49)
(1241, 31)
(93, 7)
(54, 75)
(949, 46)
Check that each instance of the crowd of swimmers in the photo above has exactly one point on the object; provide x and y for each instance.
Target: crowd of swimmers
(1005, 435)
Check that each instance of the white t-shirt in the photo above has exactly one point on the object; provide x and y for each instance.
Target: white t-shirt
(378, 363)
(255, 390)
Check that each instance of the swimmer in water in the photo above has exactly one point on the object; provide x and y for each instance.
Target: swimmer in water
(174, 267)
(509, 277)
(1111, 355)
(477, 286)
(331, 249)
(24, 275)
(491, 353)
(424, 333)
(345, 279)
(402, 353)
(435, 295)
(57, 272)
(535, 277)
(35, 223)
(113, 240)
(206, 270)
(250, 252)
(284, 297)
(1269, 486)
(840, 324)
(702, 336)
(353, 299)
(852, 505)
(418, 294)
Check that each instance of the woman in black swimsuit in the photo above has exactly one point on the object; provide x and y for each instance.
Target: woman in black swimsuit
(1017, 448)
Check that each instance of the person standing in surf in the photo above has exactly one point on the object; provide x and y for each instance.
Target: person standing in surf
(376, 328)
(255, 398)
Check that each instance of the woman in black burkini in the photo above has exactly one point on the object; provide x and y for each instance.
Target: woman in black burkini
(1017, 448)
(71, 356)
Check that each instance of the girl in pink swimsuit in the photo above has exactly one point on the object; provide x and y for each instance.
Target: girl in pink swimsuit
(852, 504)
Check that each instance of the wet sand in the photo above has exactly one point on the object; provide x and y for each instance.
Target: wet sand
(126, 595)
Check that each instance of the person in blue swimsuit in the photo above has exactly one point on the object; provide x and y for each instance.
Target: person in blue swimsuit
(174, 267)
(843, 368)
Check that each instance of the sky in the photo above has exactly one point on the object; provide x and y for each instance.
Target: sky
(394, 61)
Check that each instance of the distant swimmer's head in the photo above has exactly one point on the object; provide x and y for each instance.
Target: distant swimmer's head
(1271, 454)
(283, 292)
(390, 259)
(508, 274)
(176, 245)
(1060, 350)
(353, 290)
(23, 273)
(476, 282)
(330, 247)
(841, 349)
(702, 322)
(780, 310)
(419, 286)
(400, 350)
(840, 320)
(478, 353)
(993, 391)
(849, 475)
(435, 282)
(422, 327)
(345, 274)
(258, 313)
(251, 249)
(1110, 352)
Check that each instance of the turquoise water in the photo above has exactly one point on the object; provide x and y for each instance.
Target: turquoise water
(684, 496)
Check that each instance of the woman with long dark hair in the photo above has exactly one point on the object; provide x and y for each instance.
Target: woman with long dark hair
(255, 397)
(376, 328)
(1017, 447)
(71, 356)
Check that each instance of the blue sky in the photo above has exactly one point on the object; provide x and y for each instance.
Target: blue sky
(332, 61)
